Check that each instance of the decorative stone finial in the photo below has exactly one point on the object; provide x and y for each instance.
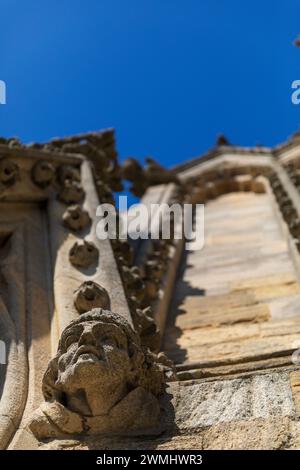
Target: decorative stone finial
(147, 328)
(9, 172)
(75, 218)
(101, 381)
(133, 282)
(157, 174)
(154, 269)
(104, 192)
(222, 140)
(131, 169)
(123, 251)
(83, 254)
(71, 192)
(90, 295)
(43, 173)
(142, 178)
(68, 173)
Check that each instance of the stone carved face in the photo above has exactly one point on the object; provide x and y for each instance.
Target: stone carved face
(95, 351)
(99, 361)
(100, 382)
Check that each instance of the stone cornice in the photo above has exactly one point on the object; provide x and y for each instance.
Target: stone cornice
(278, 152)
(219, 151)
(36, 154)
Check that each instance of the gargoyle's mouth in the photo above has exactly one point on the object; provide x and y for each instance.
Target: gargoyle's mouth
(89, 351)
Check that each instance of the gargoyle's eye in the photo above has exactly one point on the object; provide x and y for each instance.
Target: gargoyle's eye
(70, 340)
(109, 341)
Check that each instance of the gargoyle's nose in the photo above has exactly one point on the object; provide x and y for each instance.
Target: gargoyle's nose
(87, 337)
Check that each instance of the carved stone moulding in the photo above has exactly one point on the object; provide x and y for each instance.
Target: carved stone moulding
(104, 192)
(43, 173)
(288, 207)
(133, 282)
(123, 252)
(75, 218)
(294, 174)
(212, 184)
(101, 381)
(68, 173)
(30, 174)
(155, 268)
(137, 295)
(71, 192)
(9, 172)
(90, 295)
(100, 149)
(147, 328)
(141, 178)
(83, 254)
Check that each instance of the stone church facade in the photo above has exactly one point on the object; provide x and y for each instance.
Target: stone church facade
(149, 346)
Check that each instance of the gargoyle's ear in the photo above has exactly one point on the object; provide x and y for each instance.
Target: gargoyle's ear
(49, 388)
(136, 355)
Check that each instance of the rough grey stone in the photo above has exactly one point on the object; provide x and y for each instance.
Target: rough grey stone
(206, 404)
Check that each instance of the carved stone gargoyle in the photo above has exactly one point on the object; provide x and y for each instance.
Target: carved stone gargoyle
(141, 178)
(101, 381)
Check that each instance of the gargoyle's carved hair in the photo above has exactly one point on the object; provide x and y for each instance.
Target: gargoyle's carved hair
(146, 372)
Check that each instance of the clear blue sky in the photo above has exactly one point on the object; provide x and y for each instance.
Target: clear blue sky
(167, 74)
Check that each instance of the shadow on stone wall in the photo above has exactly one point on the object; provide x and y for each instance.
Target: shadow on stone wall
(182, 290)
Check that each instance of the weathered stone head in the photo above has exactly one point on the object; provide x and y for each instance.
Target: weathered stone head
(101, 379)
(97, 351)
